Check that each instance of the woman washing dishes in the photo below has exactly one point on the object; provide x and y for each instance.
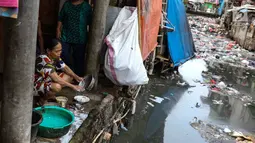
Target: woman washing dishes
(52, 74)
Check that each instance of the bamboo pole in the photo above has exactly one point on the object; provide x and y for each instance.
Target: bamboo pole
(140, 24)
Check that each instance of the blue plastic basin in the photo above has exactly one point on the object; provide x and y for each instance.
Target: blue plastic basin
(56, 121)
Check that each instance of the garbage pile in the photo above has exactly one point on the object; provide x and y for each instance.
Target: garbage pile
(225, 59)
(218, 86)
(224, 56)
(206, 25)
(212, 45)
(214, 134)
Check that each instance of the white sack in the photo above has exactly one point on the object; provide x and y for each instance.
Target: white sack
(123, 59)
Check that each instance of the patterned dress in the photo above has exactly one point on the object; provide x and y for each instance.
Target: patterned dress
(43, 68)
(75, 19)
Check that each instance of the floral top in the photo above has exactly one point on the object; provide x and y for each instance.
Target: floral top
(45, 66)
(75, 19)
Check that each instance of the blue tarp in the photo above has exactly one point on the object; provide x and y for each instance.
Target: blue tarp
(221, 7)
(180, 43)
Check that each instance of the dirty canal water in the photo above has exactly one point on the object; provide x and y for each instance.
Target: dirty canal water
(168, 110)
(168, 120)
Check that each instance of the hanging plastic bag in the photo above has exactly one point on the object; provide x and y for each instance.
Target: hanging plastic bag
(123, 59)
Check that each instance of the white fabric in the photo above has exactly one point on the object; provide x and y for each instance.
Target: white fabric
(123, 59)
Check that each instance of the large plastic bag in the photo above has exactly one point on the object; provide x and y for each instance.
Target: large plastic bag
(123, 59)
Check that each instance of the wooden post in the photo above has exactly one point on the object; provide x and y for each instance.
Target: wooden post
(140, 24)
(96, 37)
(19, 64)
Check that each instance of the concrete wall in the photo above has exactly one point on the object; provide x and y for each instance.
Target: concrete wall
(250, 39)
(240, 32)
(244, 35)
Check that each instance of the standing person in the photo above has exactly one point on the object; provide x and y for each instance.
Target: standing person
(40, 42)
(74, 18)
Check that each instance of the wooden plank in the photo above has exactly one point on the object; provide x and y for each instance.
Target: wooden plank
(139, 23)
(161, 58)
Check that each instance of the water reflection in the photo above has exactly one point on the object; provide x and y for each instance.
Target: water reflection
(168, 121)
(161, 111)
(242, 78)
(233, 111)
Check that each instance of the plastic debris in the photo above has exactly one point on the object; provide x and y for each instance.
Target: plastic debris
(189, 92)
(214, 133)
(150, 104)
(152, 96)
(227, 130)
(181, 83)
(194, 123)
(123, 127)
(157, 99)
(241, 137)
(214, 47)
(82, 99)
(224, 57)
(221, 85)
(115, 129)
(198, 105)
(217, 102)
(133, 107)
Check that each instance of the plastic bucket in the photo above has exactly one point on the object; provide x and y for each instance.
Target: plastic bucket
(36, 121)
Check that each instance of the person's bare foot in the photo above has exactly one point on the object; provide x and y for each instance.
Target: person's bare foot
(49, 97)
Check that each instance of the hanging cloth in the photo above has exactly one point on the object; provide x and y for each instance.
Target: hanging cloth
(9, 3)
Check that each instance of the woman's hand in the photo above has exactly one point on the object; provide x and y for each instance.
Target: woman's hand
(78, 79)
(58, 34)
